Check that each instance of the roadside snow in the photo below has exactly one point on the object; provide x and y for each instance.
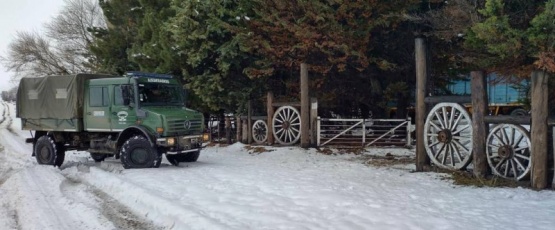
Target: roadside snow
(233, 188)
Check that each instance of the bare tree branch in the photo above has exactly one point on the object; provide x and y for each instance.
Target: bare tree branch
(64, 49)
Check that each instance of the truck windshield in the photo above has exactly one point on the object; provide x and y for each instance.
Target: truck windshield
(153, 94)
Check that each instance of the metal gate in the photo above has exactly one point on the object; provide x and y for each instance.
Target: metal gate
(363, 132)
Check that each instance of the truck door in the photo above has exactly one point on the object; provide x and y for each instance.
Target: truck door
(97, 111)
(122, 115)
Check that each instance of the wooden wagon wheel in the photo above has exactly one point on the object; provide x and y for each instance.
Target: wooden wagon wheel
(286, 125)
(260, 131)
(448, 136)
(508, 151)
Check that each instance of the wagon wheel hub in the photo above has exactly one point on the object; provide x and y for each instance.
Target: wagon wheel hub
(506, 152)
(286, 125)
(445, 136)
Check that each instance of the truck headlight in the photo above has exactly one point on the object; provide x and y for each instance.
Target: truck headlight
(171, 141)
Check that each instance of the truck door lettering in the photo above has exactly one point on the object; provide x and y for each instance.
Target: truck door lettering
(98, 113)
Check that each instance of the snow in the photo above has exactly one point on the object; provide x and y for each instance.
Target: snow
(236, 187)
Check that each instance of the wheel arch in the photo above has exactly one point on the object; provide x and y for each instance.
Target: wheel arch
(133, 131)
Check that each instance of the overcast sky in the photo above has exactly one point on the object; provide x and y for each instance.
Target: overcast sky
(22, 15)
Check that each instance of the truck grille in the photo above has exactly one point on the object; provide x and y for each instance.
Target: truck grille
(178, 127)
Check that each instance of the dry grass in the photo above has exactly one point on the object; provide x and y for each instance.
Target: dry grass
(387, 160)
(328, 151)
(258, 149)
(466, 178)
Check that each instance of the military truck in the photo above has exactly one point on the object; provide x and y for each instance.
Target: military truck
(137, 118)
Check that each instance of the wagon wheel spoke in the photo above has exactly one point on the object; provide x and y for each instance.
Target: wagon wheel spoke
(452, 119)
(448, 135)
(435, 126)
(286, 125)
(439, 151)
(520, 165)
(456, 123)
(518, 142)
(522, 157)
(462, 129)
(439, 120)
(434, 144)
(460, 146)
(444, 113)
(507, 148)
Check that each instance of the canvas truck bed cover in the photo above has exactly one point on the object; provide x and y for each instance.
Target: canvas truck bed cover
(53, 97)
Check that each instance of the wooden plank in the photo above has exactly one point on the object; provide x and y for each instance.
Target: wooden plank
(305, 111)
(505, 119)
(284, 103)
(269, 117)
(422, 159)
(479, 128)
(451, 98)
(254, 118)
(539, 130)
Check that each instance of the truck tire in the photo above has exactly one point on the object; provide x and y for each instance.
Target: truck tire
(519, 112)
(98, 157)
(190, 157)
(60, 154)
(172, 159)
(187, 157)
(137, 152)
(47, 152)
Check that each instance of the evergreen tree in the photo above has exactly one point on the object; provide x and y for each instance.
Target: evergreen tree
(113, 43)
(211, 58)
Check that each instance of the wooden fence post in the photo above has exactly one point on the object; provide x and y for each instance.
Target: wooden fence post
(239, 128)
(249, 122)
(305, 111)
(539, 130)
(422, 159)
(313, 120)
(270, 111)
(228, 129)
(479, 128)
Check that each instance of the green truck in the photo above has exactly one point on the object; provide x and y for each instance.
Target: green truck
(137, 118)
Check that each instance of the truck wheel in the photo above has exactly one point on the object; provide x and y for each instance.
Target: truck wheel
(190, 157)
(519, 112)
(138, 153)
(98, 157)
(48, 152)
(60, 154)
(172, 159)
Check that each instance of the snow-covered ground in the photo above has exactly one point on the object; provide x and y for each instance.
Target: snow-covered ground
(235, 188)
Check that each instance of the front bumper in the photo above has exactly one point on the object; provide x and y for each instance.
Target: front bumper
(180, 144)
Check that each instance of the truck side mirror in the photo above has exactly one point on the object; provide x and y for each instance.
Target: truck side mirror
(126, 94)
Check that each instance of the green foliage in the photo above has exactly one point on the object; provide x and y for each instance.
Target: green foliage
(112, 44)
(330, 36)
(514, 37)
(213, 62)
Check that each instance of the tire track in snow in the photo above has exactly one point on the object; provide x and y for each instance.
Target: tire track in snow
(162, 212)
(6, 119)
(5, 122)
(120, 216)
(3, 118)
